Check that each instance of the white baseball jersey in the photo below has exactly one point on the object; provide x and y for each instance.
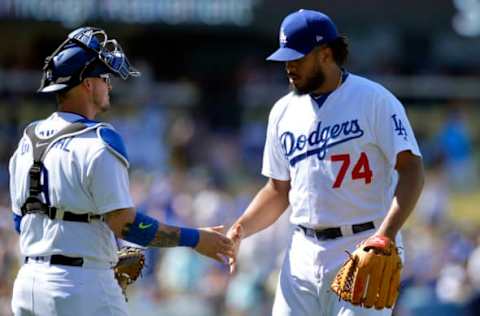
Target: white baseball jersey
(339, 155)
(84, 176)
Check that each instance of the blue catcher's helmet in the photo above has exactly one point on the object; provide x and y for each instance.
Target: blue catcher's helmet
(87, 52)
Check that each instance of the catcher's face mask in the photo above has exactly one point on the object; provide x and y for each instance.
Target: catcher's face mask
(87, 52)
(109, 51)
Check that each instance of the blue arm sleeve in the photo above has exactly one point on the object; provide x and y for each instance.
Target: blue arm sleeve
(143, 230)
(17, 220)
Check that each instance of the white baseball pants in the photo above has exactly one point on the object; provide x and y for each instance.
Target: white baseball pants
(42, 289)
(309, 267)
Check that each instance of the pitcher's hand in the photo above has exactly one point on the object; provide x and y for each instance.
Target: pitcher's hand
(235, 233)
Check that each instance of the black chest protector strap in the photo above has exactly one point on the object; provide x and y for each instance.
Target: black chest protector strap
(33, 203)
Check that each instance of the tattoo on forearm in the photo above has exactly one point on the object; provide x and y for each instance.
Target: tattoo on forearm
(166, 236)
(126, 229)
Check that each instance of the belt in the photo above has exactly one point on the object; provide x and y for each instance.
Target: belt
(58, 259)
(35, 206)
(82, 218)
(335, 232)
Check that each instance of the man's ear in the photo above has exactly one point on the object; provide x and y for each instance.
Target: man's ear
(321, 54)
(327, 54)
(87, 84)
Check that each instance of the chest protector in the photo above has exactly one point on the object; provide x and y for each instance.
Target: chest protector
(34, 204)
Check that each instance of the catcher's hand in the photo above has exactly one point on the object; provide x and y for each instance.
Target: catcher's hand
(129, 267)
(371, 276)
(214, 244)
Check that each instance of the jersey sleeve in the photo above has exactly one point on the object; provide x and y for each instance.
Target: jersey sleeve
(13, 192)
(275, 164)
(393, 131)
(108, 182)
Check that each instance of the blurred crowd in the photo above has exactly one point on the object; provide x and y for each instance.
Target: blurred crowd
(187, 173)
(196, 159)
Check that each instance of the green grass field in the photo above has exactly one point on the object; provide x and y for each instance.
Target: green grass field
(465, 209)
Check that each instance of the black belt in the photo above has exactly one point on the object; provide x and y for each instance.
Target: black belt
(51, 212)
(335, 232)
(59, 259)
(83, 218)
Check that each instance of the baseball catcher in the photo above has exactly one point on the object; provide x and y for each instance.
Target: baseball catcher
(371, 276)
(62, 188)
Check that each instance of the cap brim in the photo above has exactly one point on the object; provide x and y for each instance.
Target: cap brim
(285, 54)
(53, 88)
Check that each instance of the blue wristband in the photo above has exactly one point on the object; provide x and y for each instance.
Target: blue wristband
(189, 237)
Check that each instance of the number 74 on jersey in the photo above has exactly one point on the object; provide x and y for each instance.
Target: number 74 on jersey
(360, 170)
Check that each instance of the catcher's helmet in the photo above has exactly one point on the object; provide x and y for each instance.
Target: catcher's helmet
(87, 52)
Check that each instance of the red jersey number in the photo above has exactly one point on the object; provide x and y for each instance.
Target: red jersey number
(361, 170)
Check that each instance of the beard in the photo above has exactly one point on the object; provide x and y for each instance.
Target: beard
(312, 83)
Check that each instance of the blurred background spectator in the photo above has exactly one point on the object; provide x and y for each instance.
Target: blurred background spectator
(194, 125)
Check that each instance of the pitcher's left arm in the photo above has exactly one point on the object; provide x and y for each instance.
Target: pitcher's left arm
(410, 184)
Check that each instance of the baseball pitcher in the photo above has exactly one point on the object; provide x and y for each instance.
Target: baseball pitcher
(341, 153)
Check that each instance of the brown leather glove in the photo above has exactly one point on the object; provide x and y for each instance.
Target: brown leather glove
(129, 267)
(371, 276)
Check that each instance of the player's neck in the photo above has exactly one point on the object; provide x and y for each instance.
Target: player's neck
(76, 107)
(77, 101)
(333, 80)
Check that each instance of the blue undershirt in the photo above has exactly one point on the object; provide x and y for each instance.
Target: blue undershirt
(320, 99)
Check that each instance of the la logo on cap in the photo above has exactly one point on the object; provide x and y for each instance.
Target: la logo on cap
(300, 32)
(283, 37)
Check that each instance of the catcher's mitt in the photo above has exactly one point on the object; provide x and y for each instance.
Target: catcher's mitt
(371, 276)
(129, 267)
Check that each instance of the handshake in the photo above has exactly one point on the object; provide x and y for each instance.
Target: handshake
(223, 248)
(212, 243)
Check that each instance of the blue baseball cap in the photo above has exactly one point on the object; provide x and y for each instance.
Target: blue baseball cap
(302, 31)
